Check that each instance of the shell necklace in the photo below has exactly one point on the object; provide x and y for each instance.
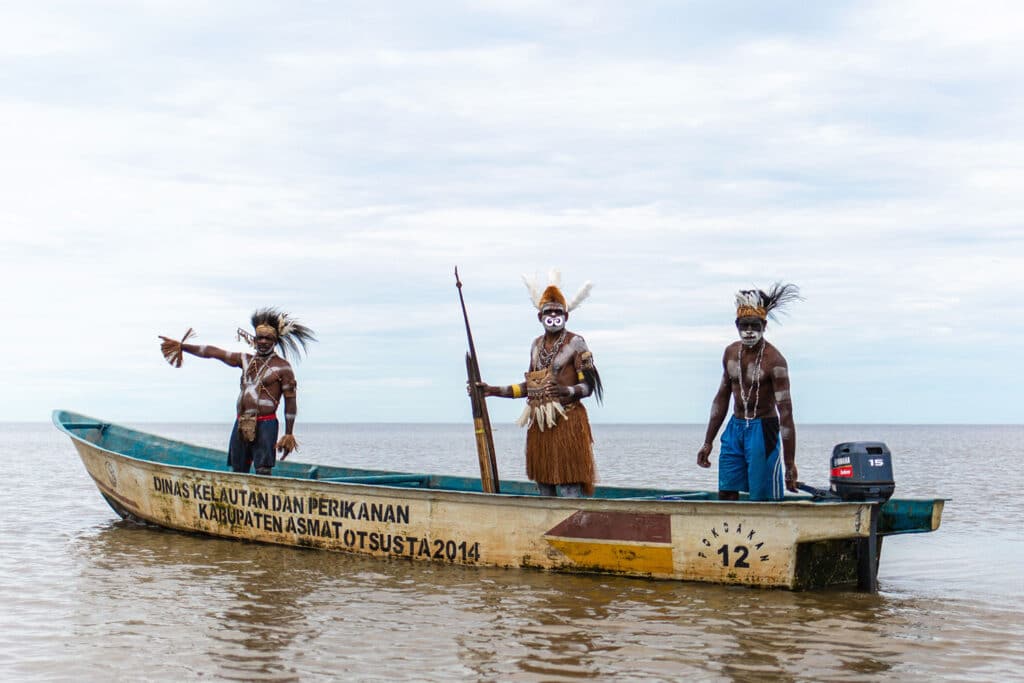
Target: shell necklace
(755, 388)
(546, 357)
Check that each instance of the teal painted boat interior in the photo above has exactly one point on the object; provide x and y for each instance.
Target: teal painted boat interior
(898, 516)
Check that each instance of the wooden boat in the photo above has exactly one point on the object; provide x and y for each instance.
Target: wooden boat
(797, 543)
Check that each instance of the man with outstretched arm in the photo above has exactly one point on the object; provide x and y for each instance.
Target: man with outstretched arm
(266, 377)
(755, 375)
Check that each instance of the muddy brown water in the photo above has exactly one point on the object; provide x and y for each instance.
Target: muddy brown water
(85, 596)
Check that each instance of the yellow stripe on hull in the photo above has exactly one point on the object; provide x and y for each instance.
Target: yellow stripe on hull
(612, 556)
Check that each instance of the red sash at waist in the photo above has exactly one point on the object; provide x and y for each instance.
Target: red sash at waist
(264, 418)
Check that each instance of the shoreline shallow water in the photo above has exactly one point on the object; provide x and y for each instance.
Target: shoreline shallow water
(88, 596)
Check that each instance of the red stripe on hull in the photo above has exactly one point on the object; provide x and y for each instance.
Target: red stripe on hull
(616, 526)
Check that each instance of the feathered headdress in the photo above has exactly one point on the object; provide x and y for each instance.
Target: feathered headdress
(760, 304)
(552, 293)
(292, 336)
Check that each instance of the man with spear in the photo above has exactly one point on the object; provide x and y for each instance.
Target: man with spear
(559, 443)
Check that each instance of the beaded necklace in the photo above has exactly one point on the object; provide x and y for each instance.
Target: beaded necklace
(546, 357)
(744, 393)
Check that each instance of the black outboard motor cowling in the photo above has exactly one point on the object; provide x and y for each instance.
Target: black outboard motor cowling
(862, 470)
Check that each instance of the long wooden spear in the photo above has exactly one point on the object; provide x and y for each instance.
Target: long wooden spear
(481, 420)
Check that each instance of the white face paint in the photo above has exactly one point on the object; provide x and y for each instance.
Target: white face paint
(751, 331)
(553, 321)
(750, 338)
(264, 345)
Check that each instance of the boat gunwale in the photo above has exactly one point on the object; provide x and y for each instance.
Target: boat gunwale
(531, 500)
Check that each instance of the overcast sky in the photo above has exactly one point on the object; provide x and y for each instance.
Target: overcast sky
(175, 164)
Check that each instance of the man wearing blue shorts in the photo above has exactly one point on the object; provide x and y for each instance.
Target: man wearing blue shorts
(756, 376)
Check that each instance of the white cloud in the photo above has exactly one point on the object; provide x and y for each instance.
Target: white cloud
(177, 164)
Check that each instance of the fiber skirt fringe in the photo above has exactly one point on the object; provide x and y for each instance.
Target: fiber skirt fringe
(563, 454)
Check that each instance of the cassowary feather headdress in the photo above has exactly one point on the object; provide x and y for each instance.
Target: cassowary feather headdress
(760, 304)
(291, 335)
(552, 293)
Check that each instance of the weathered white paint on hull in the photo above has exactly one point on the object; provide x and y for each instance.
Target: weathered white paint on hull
(722, 542)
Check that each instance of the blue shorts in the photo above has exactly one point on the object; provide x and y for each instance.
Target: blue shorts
(750, 460)
(242, 455)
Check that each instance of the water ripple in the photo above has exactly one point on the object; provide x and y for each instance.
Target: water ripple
(126, 603)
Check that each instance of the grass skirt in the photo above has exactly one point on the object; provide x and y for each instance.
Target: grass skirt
(563, 454)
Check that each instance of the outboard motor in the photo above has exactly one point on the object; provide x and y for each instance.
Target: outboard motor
(862, 470)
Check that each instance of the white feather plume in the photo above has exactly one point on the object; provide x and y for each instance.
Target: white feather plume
(531, 286)
(581, 295)
(555, 277)
(748, 298)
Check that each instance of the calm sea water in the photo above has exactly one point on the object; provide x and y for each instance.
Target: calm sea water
(84, 596)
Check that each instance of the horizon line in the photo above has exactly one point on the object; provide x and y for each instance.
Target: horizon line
(513, 423)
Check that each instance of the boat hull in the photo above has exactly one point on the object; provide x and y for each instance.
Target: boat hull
(793, 544)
